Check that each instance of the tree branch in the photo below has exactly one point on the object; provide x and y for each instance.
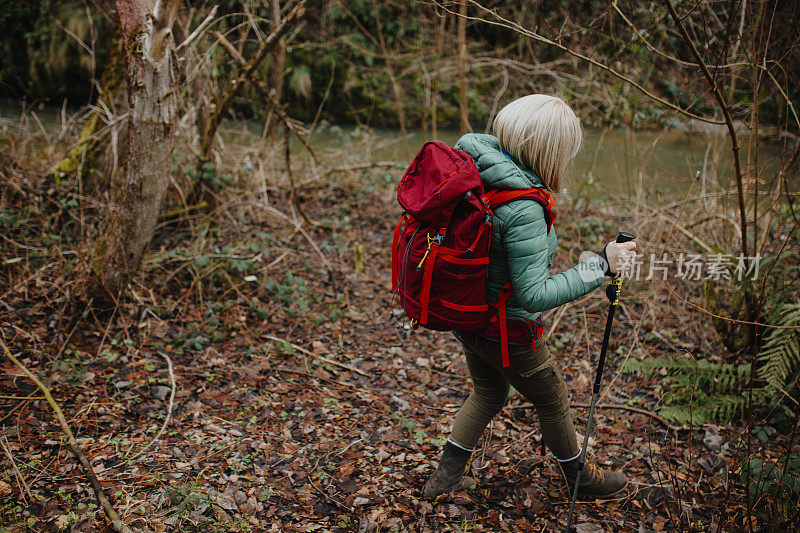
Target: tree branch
(200, 30)
(267, 98)
(661, 52)
(737, 166)
(246, 75)
(505, 23)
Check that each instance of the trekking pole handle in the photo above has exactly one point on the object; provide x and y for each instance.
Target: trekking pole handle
(612, 291)
(624, 236)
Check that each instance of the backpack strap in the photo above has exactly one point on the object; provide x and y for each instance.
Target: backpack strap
(537, 328)
(396, 252)
(496, 198)
(429, 260)
(505, 293)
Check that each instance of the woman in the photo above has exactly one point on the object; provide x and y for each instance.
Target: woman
(537, 137)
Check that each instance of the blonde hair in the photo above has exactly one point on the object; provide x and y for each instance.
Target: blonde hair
(541, 132)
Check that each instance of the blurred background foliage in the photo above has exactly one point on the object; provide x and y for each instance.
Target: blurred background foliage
(52, 51)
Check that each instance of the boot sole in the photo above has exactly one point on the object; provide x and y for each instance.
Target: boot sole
(588, 498)
(439, 494)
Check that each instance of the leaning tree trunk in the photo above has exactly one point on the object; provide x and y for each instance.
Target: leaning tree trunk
(138, 190)
(113, 91)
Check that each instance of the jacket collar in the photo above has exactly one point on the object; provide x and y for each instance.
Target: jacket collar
(497, 168)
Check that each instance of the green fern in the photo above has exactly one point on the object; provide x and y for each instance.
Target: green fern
(719, 378)
(722, 409)
(778, 478)
(697, 391)
(779, 358)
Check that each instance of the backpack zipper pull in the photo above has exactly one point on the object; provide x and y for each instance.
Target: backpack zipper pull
(424, 256)
(427, 251)
(437, 240)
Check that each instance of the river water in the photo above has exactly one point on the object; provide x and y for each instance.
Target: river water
(659, 162)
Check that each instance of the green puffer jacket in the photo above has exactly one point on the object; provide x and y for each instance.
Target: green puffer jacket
(522, 250)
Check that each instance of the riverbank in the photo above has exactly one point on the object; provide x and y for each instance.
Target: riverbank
(660, 160)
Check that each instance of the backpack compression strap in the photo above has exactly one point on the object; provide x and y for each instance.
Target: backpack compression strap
(505, 293)
(429, 260)
(396, 252)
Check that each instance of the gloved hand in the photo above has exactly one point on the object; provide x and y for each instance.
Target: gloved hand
(615, 256)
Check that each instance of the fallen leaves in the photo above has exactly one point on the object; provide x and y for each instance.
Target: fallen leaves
(338, 436)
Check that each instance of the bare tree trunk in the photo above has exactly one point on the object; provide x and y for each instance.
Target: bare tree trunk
(398, 98)
(437, 75)
(463, 102)
(278, 66)
(138, 190)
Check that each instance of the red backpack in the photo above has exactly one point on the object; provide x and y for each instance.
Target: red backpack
(440, 249)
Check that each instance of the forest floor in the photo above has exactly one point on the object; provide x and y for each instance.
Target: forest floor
(295, 405)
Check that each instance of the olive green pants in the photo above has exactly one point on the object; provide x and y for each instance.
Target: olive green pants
(534, 375)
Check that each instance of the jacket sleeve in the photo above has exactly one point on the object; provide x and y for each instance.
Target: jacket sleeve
(525, 242)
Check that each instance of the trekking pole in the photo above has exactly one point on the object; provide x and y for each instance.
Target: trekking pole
(612, 292)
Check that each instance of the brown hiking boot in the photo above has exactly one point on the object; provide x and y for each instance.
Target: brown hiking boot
(447, 476)
(598, 483)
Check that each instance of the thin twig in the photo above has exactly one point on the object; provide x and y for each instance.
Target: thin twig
(557, 319)
(505, 23)
(726, 112)
(263, 91)
(618, 406)
(105, 503)
(200, 30)
(169, 410)
(719, 317)
(299, 227)
(4, 397)
(224, 102)
(17, 473)
(312, 354)
(661, 52)
(295, 198)
(14, 410)
(682, 229)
